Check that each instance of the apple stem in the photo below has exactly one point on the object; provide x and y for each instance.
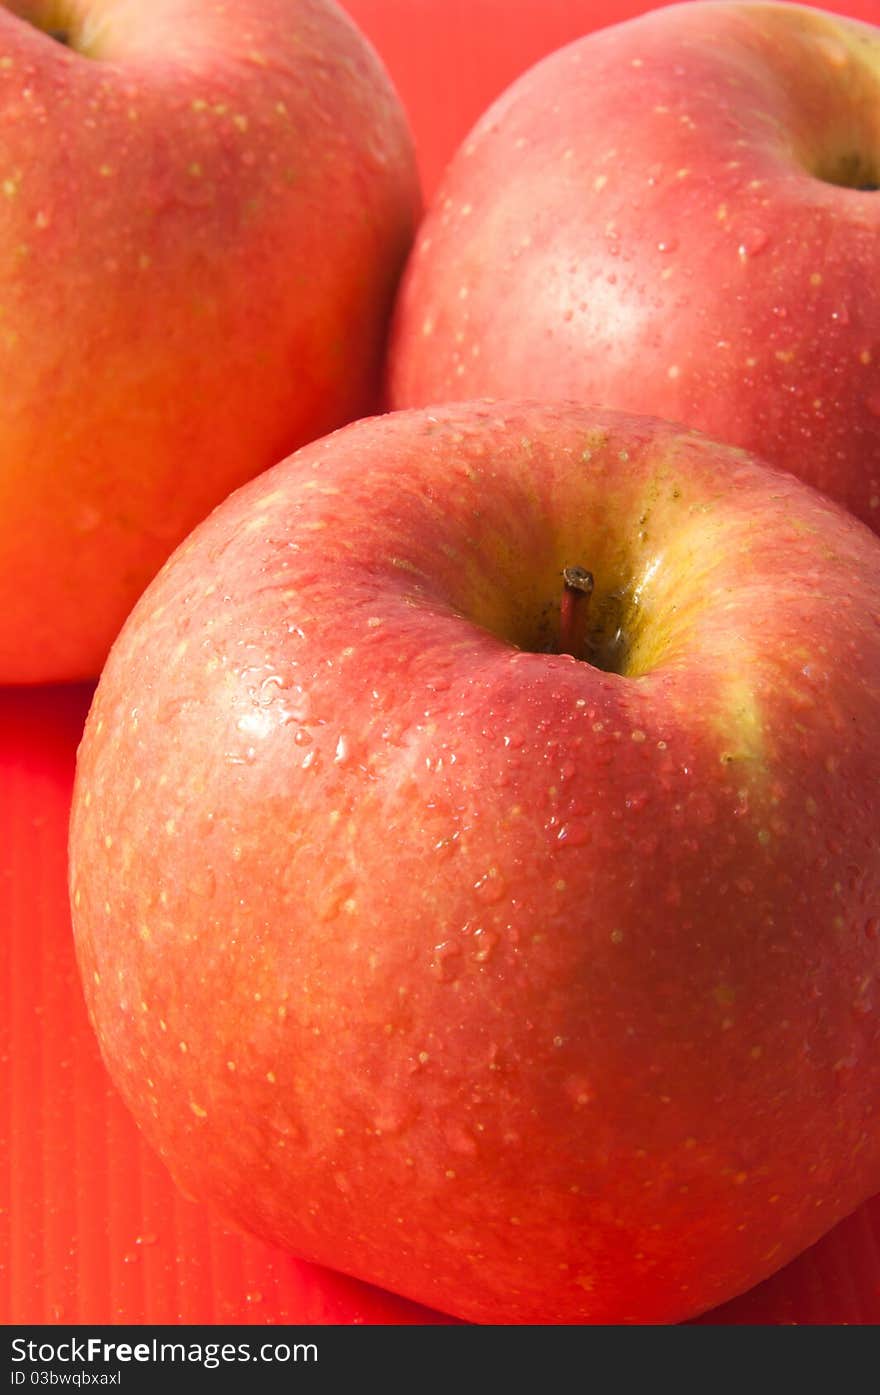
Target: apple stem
(574, 611)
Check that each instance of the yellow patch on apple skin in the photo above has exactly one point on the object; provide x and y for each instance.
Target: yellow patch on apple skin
(832, 50)
(278, 496)
(739, 724)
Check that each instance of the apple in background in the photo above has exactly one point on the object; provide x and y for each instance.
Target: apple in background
(204, 210)
(537, 986)
(678, 215)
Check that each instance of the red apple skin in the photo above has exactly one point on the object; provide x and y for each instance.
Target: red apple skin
(203, 217)
(533, 992)
(638, 221)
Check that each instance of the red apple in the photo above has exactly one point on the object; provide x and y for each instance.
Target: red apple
(540, 987)
(203, 213)
(678, 215)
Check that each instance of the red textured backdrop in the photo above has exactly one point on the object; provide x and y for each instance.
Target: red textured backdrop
(91, 1227)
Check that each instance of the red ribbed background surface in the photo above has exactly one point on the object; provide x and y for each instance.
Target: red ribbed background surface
(91, 1227)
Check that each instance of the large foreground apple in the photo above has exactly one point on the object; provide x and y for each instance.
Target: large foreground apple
(203, 213)
(537, 986)
(678, 215)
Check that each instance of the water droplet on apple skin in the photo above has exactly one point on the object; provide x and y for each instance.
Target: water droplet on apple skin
(637, 801)
(490, 888)
(247, 756)
(445, 847)
(486, 941)
(514, 739)
(752, 243)
(271, 688)
(447, 961)
(574, 833)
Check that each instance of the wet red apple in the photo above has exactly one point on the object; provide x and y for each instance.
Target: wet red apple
(538, 986)
(677, 215)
